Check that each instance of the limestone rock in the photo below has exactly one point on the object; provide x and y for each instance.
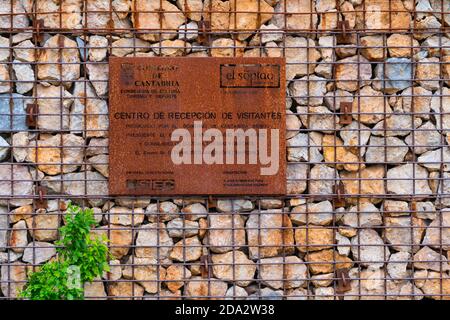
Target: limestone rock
(199, 289)
(402, 45)
(147, 272)
(115, 271)
(21, 186)
(377, 15)
(194, 211)
(49, 69)
(4, 149)
(338, 156)
(191, 8)
(125, 216)
(233, 266)
(125, 46)
(100, 163)
(218, 12)
(24, 76)
(120, 239)
(395, 149)
(121, 290)
(237, 205)
(368, 247)
(397, 266)
(425, 138)
(171, 48)
(293, 124)
(371, 107)
(97, 48)
(74, 185)
(145, 16)
(88, 113)
(16, 120)
(428, 73)
(70, 13)
(303, 148)
(44, 226)
(179, 228)
(433, 237)
(428, 259)
(352, 72)
(249, 17)
(342, 244)
(417, 100)
(440, 104)
(291, 269)
(302, 89)
(399, 180)
(437, 286)
(176, 275)
(404, 233)
(326, 261)
(188, 31)
(153, 241)
(94, 290)
(396, 125)
(99, 76)
(38, 252)
(19, 16)
(296, 175)
(368, 182)
(396, 77)
(13, 275)
(322, 180)
(314, 238)
(5, 79)
(49, 156)
(373, 48)
(189, 249)
(25, 51)
(54, 114)
(269, 234)
(226, 232)
(287, 15)
(319, 118)
(162, 211)
(364, 215)
(355, 137)
(236, 293)
(225, 47)
(313, 213)
(298, 51)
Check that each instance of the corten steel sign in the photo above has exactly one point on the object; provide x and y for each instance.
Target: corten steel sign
(197, 126)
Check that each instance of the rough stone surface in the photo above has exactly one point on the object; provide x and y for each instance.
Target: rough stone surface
(38, 252)
(366, 183)
(368, 247)
(314, 238)
(292, 269)
(48, 68)
(264, 236)
(153, 241)
(349, 70)
(234, 266)
(399, 180)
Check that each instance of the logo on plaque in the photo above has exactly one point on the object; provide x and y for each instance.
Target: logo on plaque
(197, 126)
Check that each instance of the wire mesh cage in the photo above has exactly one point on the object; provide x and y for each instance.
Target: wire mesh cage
(367, 214)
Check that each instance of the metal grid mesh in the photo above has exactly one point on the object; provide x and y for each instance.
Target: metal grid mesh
(368, 126)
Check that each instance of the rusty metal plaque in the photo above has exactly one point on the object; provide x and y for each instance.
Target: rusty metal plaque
(197, 126)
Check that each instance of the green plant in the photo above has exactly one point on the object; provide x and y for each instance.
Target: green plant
(81, 258)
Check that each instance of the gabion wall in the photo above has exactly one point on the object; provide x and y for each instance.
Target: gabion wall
(367, 215)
